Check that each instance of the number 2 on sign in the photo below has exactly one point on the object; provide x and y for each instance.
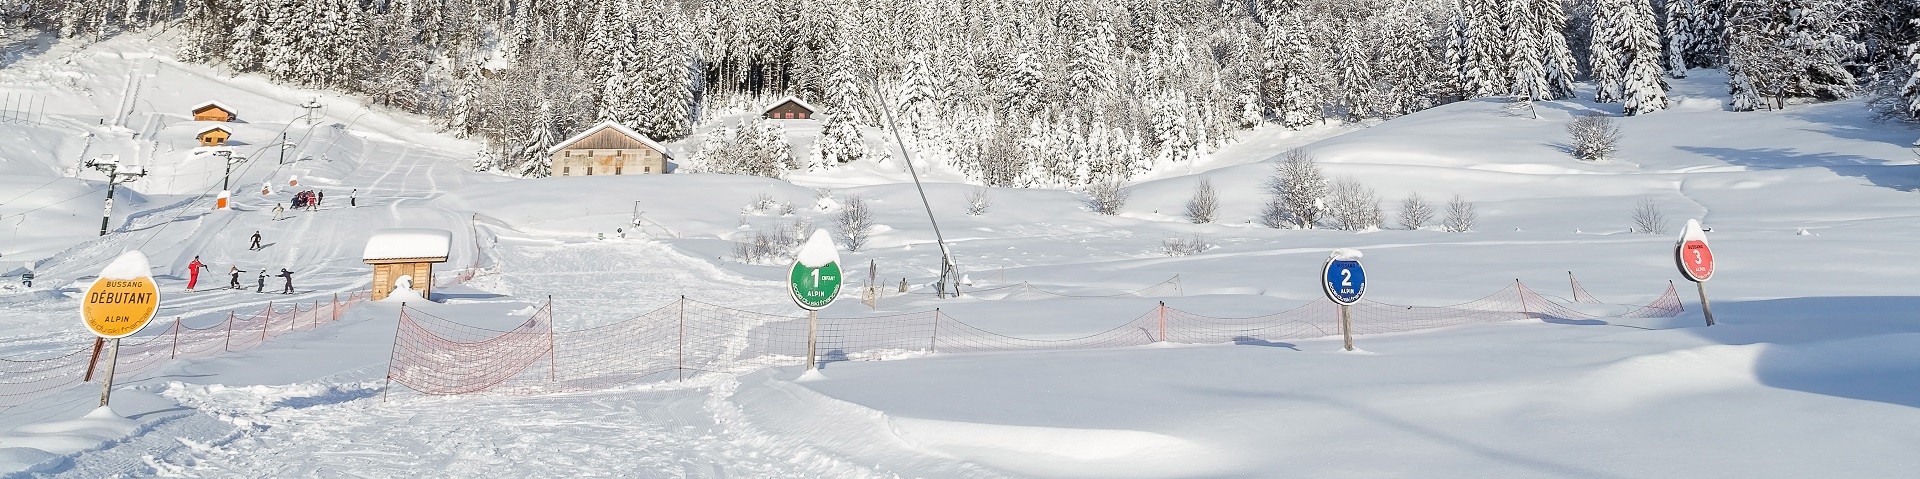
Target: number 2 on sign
(1346, 277)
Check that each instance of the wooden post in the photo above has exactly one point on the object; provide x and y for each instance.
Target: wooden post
(1705, 307)
(553, 353)
(1346, 326)
(334, 314)
(106, 387)
(680, 360)
(176, 339)
(95, 359)
(229, 345)
(933, 346)
(1522, 291)
(813, 323)
(267, 322)
(1163, 321)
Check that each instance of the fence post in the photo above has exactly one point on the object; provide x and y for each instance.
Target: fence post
(269, 321)
(316, 316)
(229, 346)
(95, 360)
(1346, 326)
(334, 314)
(176, 338)
(1163, 321)
(1522, 291)
(933, 346)
(553, 353)
(393, 351)
(680, 360)
(1573, 286)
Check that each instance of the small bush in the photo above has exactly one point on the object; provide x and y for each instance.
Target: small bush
(1460, 215)
(1201, 208)
(1595, 137)
(1180, 247)
(978, 201)
(1647, 217)
(1415, 212)
(1106, 197)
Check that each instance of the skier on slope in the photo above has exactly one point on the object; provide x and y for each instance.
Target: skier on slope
(256, 242)
(278, 210)
(234, 280)
(193, 272)
(284, 273)
(262, 287)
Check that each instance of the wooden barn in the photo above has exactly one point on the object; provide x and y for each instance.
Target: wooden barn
(790, 108)
(214, 136)
(609, 149)
(410, 252)
(214, 111)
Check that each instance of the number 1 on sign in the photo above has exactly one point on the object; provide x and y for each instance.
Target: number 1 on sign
(816, 278)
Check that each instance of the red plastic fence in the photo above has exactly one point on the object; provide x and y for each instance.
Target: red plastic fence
(23, 380)
(436, 355)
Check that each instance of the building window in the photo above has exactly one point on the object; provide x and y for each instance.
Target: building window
(616, 169)
(589, 171)
(646, 169)
(566, 170)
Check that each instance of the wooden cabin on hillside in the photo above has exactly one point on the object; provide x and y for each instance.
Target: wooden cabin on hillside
(609, 149)
(214, 111)
(214, 136)
(790, 108)
(410, 252)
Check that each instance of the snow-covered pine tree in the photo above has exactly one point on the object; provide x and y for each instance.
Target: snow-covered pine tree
(1680, 30)
(1526, 50)
(1608, 62)
(1910, 92)
(533, 159)
(1293, 73)
(1483, 43)
(1550, 20)
(1793, 48)
(1644, 89)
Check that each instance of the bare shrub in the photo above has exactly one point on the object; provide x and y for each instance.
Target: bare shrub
(1180, 247)
(854, 223)
(1106, 197)
(1647, 217)
(1201, 208)
(1299, 189)
(1415, 212)
(1460, 215)
(1595, 137)
(978, 201)
(1355, 206)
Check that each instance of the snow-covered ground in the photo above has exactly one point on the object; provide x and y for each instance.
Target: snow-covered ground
(1812, 371)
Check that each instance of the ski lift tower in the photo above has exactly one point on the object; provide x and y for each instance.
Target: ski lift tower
(313, 107)
(116, 174)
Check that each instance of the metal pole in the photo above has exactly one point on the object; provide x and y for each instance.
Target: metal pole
(1346, 325)
(106, 387)
(1705, 307)
(946, 259)
(933, 345)
(680, 361)
(106, 212)
(283, 148)
(1163, 321)
(813, 322)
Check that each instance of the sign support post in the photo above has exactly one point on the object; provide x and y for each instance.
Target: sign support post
(814, 282)
(1344, 281)
(119, 303)
(1695, 259)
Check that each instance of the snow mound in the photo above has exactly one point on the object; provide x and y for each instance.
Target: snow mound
(1058, 452)
(1345, 254)
(130, 265)
(819, 250)
(403, 291)
(33, 446)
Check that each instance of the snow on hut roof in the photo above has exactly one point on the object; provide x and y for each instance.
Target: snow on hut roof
(796, 100)
(204, 131)
(401, 243)
(616, 127)
(215, 104)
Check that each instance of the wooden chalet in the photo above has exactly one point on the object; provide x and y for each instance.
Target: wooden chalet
(214, 111)
(214, 136)
(410, 252)
(609, 149)
(790, 108)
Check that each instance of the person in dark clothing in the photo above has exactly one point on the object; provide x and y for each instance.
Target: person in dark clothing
(256, 242)
(318, 197)
(289, 276)
(262, 287)
(353, 197)
(234, 280)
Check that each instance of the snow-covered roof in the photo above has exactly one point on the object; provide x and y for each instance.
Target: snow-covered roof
(796, 100)
(403, 243)
(216, 104)
(616, 127)
(204, 131)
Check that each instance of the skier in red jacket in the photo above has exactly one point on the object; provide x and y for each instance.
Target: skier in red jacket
(193, 272)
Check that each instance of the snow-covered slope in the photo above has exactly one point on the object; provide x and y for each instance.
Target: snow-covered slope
(1810, 372)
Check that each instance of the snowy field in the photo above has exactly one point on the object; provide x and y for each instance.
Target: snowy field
(1813, 371)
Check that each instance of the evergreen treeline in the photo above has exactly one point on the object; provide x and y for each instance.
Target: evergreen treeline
(1015, 92)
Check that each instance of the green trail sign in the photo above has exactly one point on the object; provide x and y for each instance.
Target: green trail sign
(814, 288)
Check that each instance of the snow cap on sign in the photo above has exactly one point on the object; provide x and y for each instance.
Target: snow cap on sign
(130, 265)
(1693, 232)
(398, 243)
(818, 251)
(1345, 254)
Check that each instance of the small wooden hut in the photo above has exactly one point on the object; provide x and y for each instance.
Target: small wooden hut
(214, 136)
(214, 111)
(410, 252)
(608, 149)
(790, 108)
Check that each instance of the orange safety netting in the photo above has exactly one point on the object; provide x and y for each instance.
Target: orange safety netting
(23, 380)
(436, 355)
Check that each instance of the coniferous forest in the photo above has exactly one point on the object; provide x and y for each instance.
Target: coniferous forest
(1036, 93)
